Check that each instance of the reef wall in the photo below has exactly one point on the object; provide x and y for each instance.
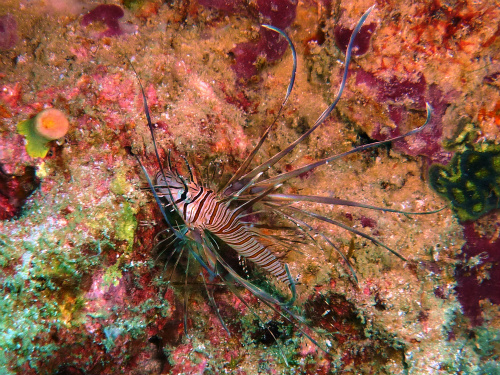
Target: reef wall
(81, 292)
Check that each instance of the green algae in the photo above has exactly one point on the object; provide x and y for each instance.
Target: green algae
(133, 327)
(471, 181)
(29, 309)
(476, 352)
(36, 146)
(112, 276)
(125, 227)
(57, 240)
(120, 185)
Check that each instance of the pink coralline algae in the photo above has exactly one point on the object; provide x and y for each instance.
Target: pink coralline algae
(399, 94)
(362, 41)
(279, 13)
(108, 14)
(8, 32)
(245, 55)
(226, 6)
(478, 277)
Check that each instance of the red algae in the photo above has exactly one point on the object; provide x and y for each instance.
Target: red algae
(400, 95)
(8, 31)
(362, 41)
(478, 274)
(109, 14)
(279, 13)
(245, 55)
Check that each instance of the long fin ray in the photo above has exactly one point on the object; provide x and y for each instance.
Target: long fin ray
(273, 160)
(310, 228)
(242, 169)
(338, 202)
(214, 304)
(348, 228)
(186, 297)
(309, 167)
(157, 199)
(236, 292)
(148, 116)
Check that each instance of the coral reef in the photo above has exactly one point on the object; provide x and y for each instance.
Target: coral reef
(81, 291)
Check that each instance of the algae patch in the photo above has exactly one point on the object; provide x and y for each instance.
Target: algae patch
(112, 276)
(125, 228)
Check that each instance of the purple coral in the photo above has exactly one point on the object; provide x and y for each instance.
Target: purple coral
(8, 31)
(245, 55)
(361, 43)
(479, 255)
(108, 14)
(272, 45)
(279, 13)
(397, 93)
(396, 90)
(226, 6)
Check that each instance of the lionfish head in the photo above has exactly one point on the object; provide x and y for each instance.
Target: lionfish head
(170, 185)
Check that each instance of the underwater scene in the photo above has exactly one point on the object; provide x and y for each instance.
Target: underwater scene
(249, 187)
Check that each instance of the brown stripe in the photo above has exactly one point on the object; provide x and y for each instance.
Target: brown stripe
(214, 213)
(232, 230)
(194, 200)
(229, 223)
(249, 249)
(197, 195)
(201, 206)
(242, 241)
(272, 261)
(258, 253)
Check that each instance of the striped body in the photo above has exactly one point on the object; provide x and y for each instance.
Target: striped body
(200, 212)
(201, 209)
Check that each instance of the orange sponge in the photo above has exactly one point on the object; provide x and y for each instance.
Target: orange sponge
(48, 125)
(51, 124)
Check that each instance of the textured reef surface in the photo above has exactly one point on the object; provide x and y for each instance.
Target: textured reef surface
(80, 290)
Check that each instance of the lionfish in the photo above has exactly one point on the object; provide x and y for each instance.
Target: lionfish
(205, 223)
